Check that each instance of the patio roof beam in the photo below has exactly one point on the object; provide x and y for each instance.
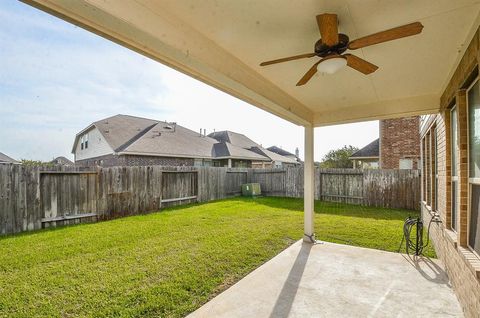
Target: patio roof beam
(168, 40)
(402, 107)
(222, 43)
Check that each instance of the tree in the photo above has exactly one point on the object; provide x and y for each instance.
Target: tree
(35, 163)
(339, 158)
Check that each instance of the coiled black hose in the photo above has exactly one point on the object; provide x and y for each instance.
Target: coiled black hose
(416, 245)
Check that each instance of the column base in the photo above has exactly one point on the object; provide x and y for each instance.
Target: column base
(309, 238)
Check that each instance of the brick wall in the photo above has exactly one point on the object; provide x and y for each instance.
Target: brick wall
(399, 139)
(461, 265)
(462, 277)
(104, 161)
(450, 246)
(129, 160)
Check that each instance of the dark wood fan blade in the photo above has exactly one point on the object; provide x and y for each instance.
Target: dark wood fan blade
(360, 64)
(328, 26)
(388, 35)
(309, 74)
(290, 58)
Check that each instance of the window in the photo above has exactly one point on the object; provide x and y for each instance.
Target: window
(454, 161)
(81, 143)
(198, 162)
(405, 164)
(430, 171)
(424, 170)
(473, 101)
(434, 170)
(241, 164)
(86, 141)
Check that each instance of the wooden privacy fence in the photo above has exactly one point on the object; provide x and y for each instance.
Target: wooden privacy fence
(376, 187)
(37, 197)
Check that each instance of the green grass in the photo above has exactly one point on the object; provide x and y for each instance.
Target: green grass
(168, 264)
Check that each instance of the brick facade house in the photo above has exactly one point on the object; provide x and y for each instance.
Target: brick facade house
(398, 146)
(450, 179)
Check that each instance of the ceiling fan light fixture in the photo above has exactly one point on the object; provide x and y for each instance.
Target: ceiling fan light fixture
(332, 65)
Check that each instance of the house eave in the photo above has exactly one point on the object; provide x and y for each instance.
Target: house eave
(363, 158)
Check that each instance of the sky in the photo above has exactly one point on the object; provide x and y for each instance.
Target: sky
(56, 79)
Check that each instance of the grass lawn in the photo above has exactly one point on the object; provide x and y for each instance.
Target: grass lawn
(168, 264)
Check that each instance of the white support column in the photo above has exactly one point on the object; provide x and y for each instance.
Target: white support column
(309, 187)
(229, 162)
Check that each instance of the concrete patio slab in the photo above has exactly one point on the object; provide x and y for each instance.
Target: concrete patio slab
(333, 280)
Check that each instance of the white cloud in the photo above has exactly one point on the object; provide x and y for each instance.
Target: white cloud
(57, 79)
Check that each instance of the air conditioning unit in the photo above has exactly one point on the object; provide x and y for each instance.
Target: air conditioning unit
(251, 189)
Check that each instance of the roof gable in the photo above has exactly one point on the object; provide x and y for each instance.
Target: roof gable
(121, 130)
(369, 151)
(280, 151)
(241, 141)
(273, 156)
(6, 159)
(234, 138)
(171, 140)
(61, 160)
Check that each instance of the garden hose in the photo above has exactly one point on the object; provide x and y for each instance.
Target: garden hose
(416, 244)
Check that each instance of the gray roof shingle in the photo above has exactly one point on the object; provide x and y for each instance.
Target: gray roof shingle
(172, 140)
(62, 161)
(242, 141)
(135, 135)
(120, 130)
(369, 151)
(4, 159)
(234, 138)
(280, 151)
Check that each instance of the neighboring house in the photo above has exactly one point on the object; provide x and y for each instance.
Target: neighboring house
(123, 140)
(285, 153)
(62, 161)
(367, 157)
(397, 148)
(274, 159)
(5, 160)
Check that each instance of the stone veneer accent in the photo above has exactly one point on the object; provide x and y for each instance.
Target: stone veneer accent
(399, 139)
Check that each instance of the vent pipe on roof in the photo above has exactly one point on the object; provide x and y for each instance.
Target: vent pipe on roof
(205, 132)
(200, 132)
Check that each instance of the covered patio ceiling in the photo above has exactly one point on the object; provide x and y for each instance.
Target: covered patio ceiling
(222, 43)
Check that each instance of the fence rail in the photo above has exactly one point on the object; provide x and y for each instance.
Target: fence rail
(36, 197)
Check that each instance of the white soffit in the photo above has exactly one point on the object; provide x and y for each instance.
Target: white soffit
(222, 43)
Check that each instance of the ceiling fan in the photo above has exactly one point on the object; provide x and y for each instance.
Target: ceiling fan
(332, 45)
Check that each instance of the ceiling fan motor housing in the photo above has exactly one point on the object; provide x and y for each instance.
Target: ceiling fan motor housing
(324, 50)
